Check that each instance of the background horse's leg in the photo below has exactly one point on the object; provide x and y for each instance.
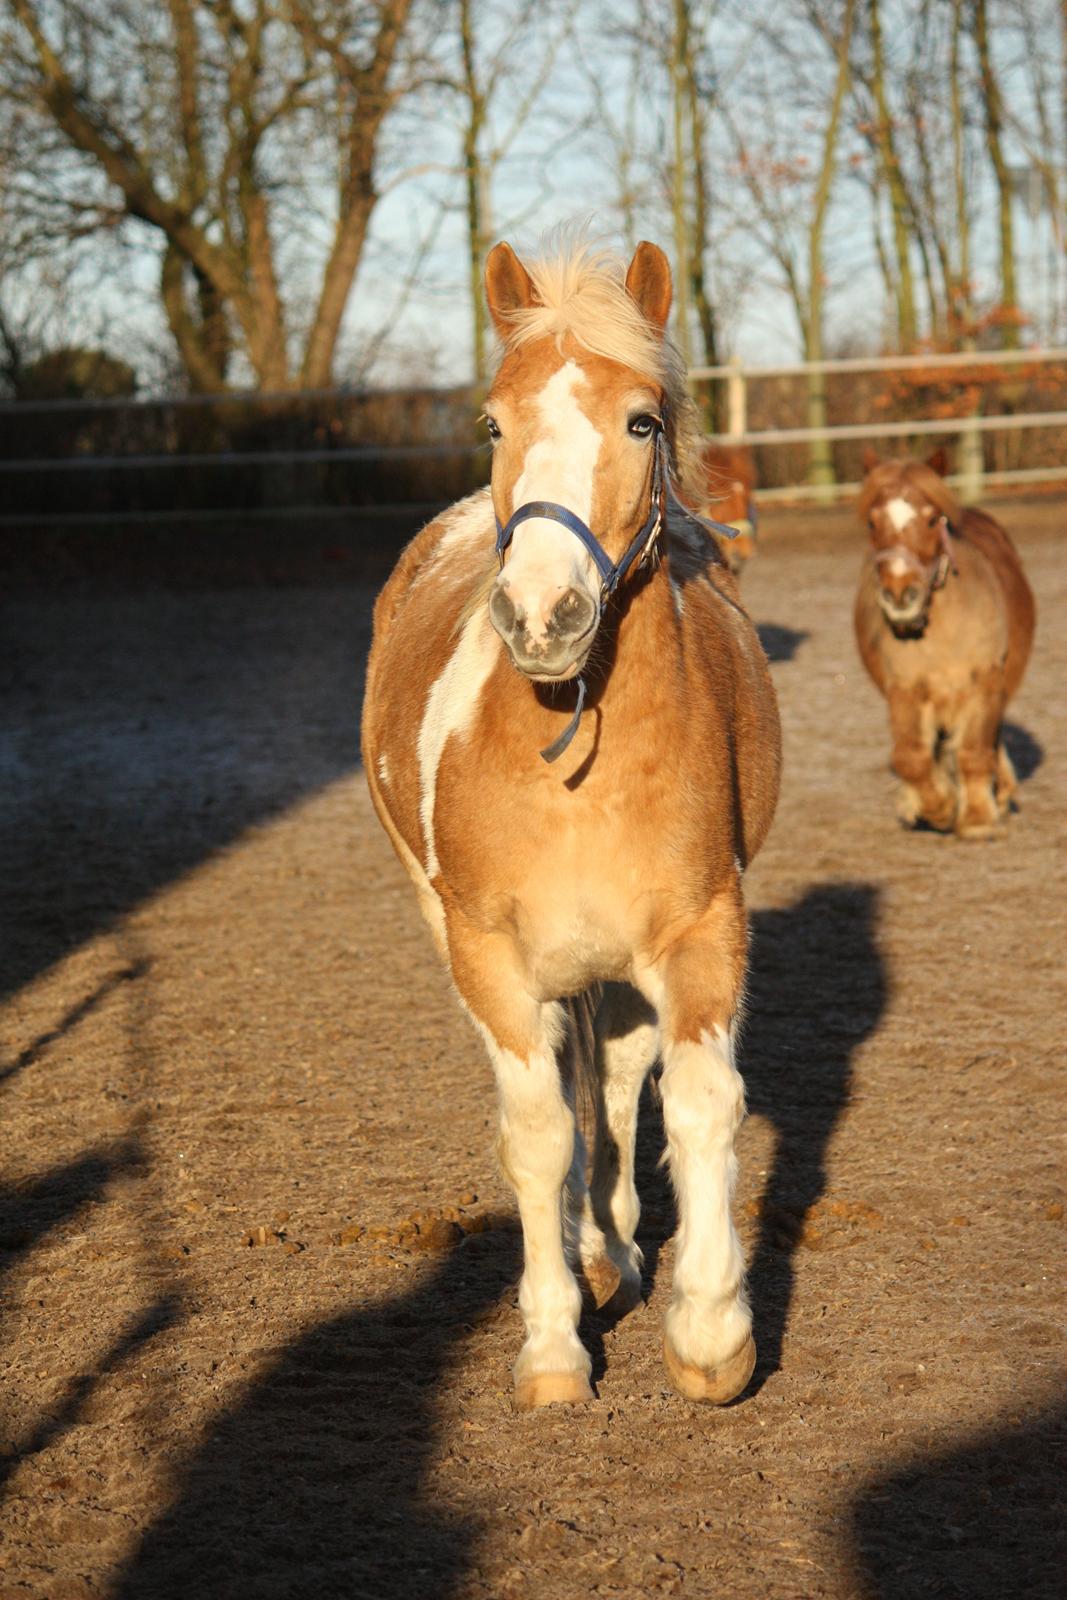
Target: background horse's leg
(627, 1042)
(928, 793)
(536, 1147)
(974, 744)
(708, 1348)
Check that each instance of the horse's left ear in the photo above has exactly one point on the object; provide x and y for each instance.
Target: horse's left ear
(937, 461)
(508, 287)
(648, 281)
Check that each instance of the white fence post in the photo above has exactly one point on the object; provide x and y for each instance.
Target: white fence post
(736, 400)
(971, 465)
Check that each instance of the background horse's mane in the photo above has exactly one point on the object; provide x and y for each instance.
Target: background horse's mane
(581, 291)
(887, 475)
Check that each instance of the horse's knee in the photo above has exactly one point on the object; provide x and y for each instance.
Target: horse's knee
(703, 1093)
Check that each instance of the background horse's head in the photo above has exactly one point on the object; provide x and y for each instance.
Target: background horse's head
(910, 512)
(586, 386)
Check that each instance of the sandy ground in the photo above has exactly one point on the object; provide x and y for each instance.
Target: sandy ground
(258, 1264)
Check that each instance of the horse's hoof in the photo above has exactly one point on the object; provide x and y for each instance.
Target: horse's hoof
(602, 1279)
(715, 1385)
(627, 1297)
(552, 1389)
(973, 832)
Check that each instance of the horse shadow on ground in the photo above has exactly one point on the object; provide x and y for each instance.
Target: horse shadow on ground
(314, 1483)
(780, 643)
(981, 1520)
(316, 1480)
(1025, 751)
(817, 989)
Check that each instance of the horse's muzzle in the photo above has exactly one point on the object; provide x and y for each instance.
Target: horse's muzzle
(545, 647)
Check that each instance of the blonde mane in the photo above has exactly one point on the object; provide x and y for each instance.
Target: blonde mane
(581, 292)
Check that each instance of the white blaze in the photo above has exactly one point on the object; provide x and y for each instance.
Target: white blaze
(545, 558)
(900, 513)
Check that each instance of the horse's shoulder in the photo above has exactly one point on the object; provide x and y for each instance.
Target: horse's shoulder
(456, 545)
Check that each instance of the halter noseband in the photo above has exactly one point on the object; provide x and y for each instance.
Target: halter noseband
(933, 574)
(640, 550)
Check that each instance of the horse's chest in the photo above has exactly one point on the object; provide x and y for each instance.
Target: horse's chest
(579, 887)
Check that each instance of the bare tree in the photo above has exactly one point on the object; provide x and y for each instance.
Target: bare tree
(213, 124)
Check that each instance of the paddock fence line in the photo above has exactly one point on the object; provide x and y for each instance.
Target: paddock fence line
(737, 376)
(114, 460)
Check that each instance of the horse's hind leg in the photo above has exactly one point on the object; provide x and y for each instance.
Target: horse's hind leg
(1006, 781)
(627, 1042)
(708, 1348)
(974, 743)
(536, 1145)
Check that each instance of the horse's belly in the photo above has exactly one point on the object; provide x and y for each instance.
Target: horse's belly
(562, 960)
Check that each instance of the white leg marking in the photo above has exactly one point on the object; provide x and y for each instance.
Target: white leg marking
(536, 1149)
(450, 708)
(708, 1319)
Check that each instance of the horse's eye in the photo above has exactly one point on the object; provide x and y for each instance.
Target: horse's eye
(932, 519)
(644, 426)
(492, 428)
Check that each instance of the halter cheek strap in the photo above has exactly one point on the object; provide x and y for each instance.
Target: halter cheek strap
(611, 572)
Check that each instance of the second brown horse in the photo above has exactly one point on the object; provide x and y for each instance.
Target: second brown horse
(944, 621)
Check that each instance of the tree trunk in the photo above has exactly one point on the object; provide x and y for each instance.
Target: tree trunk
(898, 197)
(994, 121)
(820, 465)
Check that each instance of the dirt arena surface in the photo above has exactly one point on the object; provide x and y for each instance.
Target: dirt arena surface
(258, 1264)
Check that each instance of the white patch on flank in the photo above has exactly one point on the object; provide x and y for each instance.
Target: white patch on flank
(450, 708)
(560, 467)
(383, 769)
(900, 513)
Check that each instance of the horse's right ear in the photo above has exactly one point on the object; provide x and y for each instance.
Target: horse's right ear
(937, 461)
(648, 281)
(870, 459)
(508, 287)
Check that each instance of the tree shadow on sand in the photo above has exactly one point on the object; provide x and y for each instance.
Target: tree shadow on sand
(981, 1520)
(312, 1484)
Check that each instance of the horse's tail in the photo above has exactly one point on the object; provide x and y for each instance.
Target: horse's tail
(581, 1018)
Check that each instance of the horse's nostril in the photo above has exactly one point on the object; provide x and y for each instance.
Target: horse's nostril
(501, 610)
(572, 614)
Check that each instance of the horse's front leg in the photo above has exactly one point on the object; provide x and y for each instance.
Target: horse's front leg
(708, 1347)
(536, 1146)
(927, 792)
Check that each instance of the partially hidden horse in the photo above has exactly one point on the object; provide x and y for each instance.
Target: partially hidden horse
(580, 868)
(944, 621)
(729, 475)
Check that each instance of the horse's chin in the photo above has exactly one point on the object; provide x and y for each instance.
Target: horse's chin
(539, 675)
(906, 627)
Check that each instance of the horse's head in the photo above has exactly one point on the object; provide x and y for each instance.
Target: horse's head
(577, 414)
(910, 514)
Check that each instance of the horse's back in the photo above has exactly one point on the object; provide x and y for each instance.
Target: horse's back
(995, 544)
(725, 642)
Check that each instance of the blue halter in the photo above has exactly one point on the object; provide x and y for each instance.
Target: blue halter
(612, 573)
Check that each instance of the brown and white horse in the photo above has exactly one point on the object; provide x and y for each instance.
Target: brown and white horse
(602, 882)
(944, 621)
